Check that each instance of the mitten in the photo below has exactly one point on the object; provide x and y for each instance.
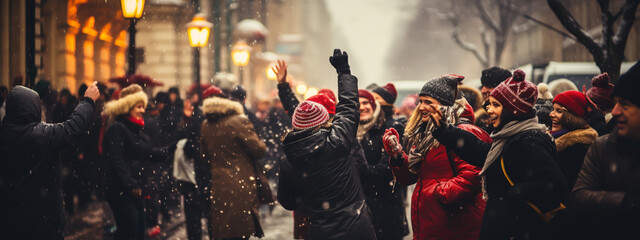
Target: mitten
(340, 61)
(390, 141)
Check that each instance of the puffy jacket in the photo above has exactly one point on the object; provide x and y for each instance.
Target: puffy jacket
(447, 201)
(528, 159)
(30, 184)
(320, 177)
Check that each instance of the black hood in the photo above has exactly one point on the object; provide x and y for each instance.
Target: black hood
(23, 106)
(302, 146)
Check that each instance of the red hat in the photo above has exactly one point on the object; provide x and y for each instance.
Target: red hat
(366, 94)
(309, 114)
(329, 94)
(515, 94)
(325, 101)
(600, 93)
(387, 92)
(574, 101)
(211, 91)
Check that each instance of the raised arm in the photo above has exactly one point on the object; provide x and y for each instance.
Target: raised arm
(287, 97)
(345, 122)
(59, 134)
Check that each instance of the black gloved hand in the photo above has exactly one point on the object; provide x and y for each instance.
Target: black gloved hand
(340, 61)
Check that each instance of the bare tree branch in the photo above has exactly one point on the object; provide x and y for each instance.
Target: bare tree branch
(573, 27)
(470, 47)
(604, 8)
(486, 18)
(628, 17)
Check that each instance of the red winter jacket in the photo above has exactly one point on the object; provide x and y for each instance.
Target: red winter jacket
(444, 206)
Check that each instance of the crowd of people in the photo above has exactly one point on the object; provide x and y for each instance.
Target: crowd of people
(510, 160)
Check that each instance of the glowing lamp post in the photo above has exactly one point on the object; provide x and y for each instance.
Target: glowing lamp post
(240, 55)
(132, 10)
(198, 31)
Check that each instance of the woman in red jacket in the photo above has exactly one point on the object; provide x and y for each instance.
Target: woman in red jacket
(447, 201)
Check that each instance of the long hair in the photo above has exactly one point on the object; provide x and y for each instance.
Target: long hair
(570, 121)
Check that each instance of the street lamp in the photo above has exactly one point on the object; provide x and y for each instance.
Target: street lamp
(240, 53)
(198, 31)
(271, 75)
(132, 10)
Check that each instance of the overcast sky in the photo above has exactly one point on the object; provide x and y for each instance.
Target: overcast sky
(368, 27)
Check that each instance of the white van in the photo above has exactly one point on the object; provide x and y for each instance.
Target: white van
(580, 73)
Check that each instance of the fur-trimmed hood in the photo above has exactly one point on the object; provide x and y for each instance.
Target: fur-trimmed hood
(221, 107)
(578, 136)
(124, 104)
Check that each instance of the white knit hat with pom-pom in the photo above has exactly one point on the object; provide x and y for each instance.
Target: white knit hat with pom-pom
(543, 91)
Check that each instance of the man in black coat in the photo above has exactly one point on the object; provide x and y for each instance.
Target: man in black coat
(319, 174)
(607, 191)
(30, 184)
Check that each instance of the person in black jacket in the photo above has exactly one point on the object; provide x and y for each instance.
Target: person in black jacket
(319, 175)
(522, 182)
(124, 147)
(384, 197)
(30, 184)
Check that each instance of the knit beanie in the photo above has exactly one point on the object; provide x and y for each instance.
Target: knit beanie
(387, 92)
(443, 88)
(492, 77)
(516, 95)
(543, 91)
(309, 114)
(628, 84)
(329, 94)
(573, 101)
(211, 91)
(366, 94)
(325, 101)
(600, 92)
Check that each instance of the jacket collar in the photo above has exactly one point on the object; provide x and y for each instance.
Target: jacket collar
(579, 136)
(302, 146)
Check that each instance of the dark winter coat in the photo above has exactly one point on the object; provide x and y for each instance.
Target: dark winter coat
(571, 149)
(447, 201)
(230, 143)
(288, 98)
(528, 160)
(320, 177)
(30, 185)
(384, 197)
(125, 150)
(607, 190)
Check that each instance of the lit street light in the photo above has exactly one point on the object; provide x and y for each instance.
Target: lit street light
(132, 9)
(271, 75)
(240, 54)
(198, 31)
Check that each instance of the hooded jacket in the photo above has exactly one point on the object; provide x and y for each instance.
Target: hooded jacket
(30, 183)
(320, 177)
(232, 147)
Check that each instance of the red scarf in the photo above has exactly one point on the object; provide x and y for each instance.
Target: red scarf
(137, 121)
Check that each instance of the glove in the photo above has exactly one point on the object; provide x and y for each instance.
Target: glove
(390, 142)
(340, 61)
